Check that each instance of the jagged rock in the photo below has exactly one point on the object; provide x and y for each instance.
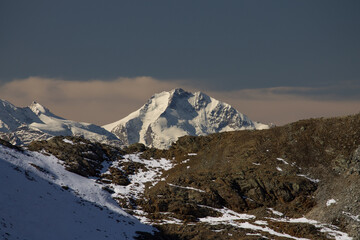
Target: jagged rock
(79, 155)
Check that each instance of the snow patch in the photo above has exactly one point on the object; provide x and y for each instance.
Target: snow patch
(282, 160)
(228, 216)
(353, 217)
(330, 202)
(185, 161)
(261, 222)
(308, 178)
(276, 212)
(152, 174)
(68, 141)
(189, 188)
(330, 230)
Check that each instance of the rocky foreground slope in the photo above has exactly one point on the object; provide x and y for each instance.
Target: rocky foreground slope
(299, 181)
(40, 200)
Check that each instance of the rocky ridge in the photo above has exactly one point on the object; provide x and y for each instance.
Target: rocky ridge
(298, 181)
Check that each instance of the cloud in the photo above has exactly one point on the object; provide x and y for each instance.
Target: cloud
(328, 93)
(284, 104)
(103, 102)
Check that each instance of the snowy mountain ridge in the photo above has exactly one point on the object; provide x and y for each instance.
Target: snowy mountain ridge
(35, 122)
(169, 115)
(164, 118)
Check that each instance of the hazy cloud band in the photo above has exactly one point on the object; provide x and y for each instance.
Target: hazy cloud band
(103, 102)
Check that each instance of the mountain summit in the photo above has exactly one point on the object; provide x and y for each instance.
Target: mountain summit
(166, 116)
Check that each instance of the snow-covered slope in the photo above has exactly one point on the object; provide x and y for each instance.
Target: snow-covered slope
(168, 115)
(23, 125)
(39, 199)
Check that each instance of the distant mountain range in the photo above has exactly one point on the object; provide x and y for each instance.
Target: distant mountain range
(35, 122)
(160, 122)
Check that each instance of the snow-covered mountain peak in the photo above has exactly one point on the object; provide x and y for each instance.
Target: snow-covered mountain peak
(174, 98)
(39, 109)
(168, 115)
(11, 117)
(21, 125)
(178, 92)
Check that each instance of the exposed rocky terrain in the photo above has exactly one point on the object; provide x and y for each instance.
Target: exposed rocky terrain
(309, 168)
(299, 181)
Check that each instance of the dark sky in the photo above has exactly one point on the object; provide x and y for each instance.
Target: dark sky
(224, 45)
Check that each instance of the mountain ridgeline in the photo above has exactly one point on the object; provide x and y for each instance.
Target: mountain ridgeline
(160, 122)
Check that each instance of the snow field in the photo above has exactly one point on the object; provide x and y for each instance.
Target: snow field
(136, 188)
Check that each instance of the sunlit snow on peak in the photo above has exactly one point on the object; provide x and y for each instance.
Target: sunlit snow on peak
(166, 116)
